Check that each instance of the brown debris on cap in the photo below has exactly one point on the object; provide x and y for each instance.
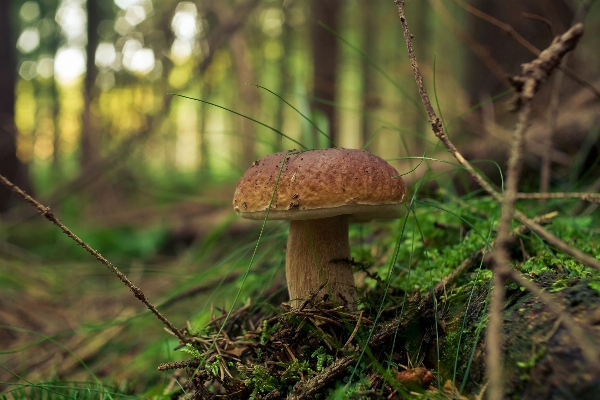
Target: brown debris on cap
(318, 184)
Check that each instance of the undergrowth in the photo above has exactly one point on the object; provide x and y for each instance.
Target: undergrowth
(415, 341)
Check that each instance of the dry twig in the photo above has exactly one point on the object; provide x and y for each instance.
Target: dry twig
(533, 75)
(438, 130)
(137, 292)
(590, 197)
(477, 256)
(527, 84)
(525, 43)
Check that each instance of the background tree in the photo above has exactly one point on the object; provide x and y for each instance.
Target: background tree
(325, 61)
(10, 166)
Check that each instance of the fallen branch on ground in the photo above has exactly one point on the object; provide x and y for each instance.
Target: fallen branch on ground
(137, 292)
(591, 197)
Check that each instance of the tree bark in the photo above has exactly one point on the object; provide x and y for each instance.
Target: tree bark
(10, 166)
(325, 60)
(90, 139)
(502, 48)
(370, 101)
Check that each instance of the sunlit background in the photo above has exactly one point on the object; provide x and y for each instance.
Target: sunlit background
(147, 176)
(143, 51)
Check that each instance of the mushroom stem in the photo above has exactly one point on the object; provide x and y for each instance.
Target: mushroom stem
(318, 251)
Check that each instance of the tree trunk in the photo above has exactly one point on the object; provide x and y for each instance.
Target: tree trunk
(90, 138)
(249, 104)
(502, 48)
(325, 57)
(10, 166)
(369, 13)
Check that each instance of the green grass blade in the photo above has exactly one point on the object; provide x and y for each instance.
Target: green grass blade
(295, 109)
(377, 68)
(241, 115)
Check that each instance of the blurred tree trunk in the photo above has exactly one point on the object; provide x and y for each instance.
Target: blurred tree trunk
(54, 106)
(285, 76)
(204, 165)
(10, 166)
(370, 101)
(90, 136)
(325, 57)
(248, 95)
(502, 48)
(422, 12)
(250, 101)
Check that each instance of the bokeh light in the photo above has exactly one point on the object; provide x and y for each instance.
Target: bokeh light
(29, 40)
(185, 21)
(72, 18)
(69, 64)
(30, 10)
(105, 55)
(45, 67)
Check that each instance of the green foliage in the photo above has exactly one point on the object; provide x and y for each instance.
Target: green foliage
(213, 366)
(528, 365)
(322, 358)
(260, 381)
(267, 332)
(433, 251)
(114, 243)
(191, 350)
(576, 231)
(346, 391)
(56, 390)
(595, 284)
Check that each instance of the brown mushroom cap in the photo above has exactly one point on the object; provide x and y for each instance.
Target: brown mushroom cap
(320, 183)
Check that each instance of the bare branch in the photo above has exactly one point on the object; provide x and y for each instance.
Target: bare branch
(589, 349)
(515, 35)
(533, 74)
(590, 197)
(137, 292)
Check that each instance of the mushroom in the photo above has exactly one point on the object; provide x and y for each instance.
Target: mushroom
(320, 192)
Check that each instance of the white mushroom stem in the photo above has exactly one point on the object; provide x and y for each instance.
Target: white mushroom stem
(318, 252)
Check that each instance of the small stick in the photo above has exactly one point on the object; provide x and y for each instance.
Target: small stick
(533, 74)
(137, 292)
(438, 130)
(590, 197)
(515, 35)
(355, 330)
(527, 84)
(589, 350)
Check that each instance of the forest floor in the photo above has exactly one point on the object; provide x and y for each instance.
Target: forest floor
(73, 321)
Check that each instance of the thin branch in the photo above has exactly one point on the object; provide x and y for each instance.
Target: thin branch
(476, 257)
(543, 20)
(589, 350)
(527, 84)
(496, 22)
(525, 43)
(533, 75)
(590, 197)
(438, 130)
(137, 292)
(494, 337)
(477, 48)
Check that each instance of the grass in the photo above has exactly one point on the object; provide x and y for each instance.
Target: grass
(412, 254)
(205, 284)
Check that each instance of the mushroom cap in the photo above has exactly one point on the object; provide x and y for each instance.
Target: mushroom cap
(318, 184)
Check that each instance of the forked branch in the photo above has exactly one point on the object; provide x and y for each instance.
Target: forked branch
(527, 84)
